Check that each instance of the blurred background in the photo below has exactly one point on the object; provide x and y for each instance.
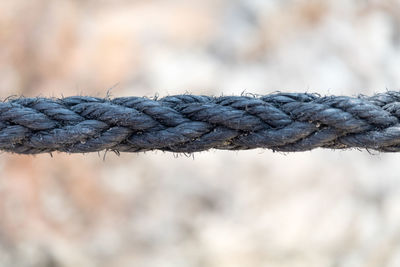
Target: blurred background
(216, 208)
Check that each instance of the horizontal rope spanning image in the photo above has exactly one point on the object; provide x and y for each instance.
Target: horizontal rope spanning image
(187, 123)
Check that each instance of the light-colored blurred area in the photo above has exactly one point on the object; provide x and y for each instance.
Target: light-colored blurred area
(216, 208)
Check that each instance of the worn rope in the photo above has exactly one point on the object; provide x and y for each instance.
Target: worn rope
(190, 123)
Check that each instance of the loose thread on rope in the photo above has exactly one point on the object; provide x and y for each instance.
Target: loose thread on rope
(188, 123)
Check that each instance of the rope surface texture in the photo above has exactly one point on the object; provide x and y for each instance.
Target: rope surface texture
(189, 123)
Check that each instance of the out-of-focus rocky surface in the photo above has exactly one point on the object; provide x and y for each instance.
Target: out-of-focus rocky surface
(249, 208)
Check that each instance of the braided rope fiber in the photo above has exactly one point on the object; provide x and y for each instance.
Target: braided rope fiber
(189, 123)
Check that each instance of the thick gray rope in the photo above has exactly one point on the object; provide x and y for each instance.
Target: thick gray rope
(189, 123)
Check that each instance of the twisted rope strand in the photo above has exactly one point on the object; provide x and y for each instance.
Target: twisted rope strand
(189, 123)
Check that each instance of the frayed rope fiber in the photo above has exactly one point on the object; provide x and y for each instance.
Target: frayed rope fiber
(189, 123)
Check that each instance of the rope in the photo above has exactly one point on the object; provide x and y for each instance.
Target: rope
(189, 123)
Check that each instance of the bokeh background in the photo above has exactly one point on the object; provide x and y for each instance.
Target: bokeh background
(216, 208)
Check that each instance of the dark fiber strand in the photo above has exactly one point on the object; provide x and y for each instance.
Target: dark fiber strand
(188, 123)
